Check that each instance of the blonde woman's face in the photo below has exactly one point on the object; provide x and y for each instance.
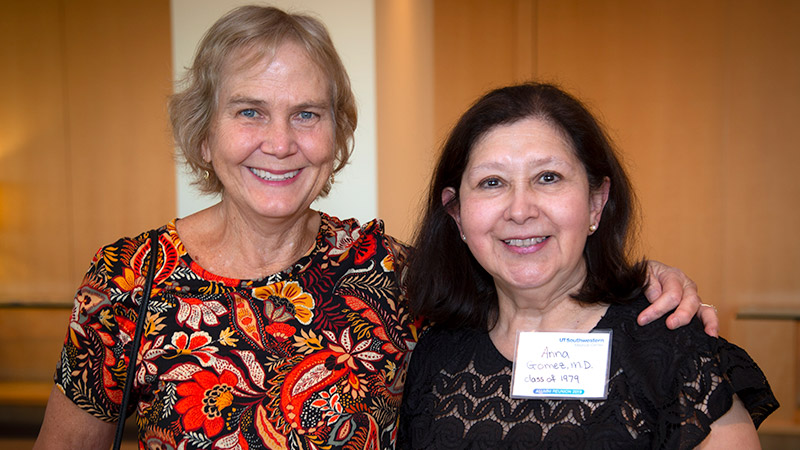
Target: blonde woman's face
(272, 136)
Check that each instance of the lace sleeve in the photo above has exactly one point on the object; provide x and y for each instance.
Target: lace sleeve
(747, 381)
(685, 380)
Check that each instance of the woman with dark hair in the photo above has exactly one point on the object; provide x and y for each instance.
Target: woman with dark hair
(511, 242)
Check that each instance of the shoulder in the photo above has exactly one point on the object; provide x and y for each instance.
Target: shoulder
(343, 234)
(684, 374)
(658, 361)
(440, 346)
(129, 244)
(622, 319)
(653, 353)
(747, 380)
(350, 230)
(119, 263)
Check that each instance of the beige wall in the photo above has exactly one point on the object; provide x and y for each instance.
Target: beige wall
(405, 109)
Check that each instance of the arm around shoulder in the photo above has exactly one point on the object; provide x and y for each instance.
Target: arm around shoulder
(66, 426)
(669, 288)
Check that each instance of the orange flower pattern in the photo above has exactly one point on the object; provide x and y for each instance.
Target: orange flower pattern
(309, 358)
(204, 399)
(284, 300)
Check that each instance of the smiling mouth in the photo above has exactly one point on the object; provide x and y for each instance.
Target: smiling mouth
(269, 176)
(525, 242)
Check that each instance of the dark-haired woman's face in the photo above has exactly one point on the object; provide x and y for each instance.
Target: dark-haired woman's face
(525, 208)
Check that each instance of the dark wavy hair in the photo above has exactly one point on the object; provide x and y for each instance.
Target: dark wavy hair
(447, 285)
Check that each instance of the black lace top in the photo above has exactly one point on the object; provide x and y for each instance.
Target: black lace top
(665, 389)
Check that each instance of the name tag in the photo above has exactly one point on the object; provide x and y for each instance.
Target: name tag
(561, 365)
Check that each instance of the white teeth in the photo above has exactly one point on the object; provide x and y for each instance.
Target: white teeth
(269, 176)
(525, 242)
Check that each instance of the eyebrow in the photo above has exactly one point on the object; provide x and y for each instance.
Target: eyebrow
(245, 101)
(249, 101)
(537, 162)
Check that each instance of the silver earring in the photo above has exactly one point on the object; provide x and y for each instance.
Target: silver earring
(593, 227)
(463, 237)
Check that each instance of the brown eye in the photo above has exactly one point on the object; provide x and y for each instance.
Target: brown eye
(549, 177)
(490, 183)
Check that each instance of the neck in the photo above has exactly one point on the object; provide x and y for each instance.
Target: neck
(556, 312)
(228, 243)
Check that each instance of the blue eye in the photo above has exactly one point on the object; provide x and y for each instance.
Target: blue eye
(306, 115)
(249, 113)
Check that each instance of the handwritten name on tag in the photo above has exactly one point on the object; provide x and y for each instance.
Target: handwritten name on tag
(561, 365)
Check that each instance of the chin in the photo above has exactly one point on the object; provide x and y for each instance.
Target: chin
(277, 210)
(519, 282)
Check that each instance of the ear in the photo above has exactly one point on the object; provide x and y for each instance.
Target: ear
(205, 152)
(597, 201)
(453, 208)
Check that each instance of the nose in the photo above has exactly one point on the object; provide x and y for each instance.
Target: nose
(522, 205)
(278, 139)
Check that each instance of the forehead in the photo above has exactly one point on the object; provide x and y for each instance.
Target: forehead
(288, 64)
(529, 137)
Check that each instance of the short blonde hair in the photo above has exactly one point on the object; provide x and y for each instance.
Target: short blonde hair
(254, 31)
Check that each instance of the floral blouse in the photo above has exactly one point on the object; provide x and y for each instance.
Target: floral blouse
(312, 357)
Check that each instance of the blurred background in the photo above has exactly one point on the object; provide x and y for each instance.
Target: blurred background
(702, 98)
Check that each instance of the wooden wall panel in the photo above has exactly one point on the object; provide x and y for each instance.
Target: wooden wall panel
(85, 150)
(119, 77)
(774, 344)
(31, 346)
(762, 155)
(701, 98)
(85, 157)
(478, 46)
(34, 166)
(652, 71)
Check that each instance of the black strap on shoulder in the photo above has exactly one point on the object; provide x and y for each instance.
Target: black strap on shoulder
(152, 261)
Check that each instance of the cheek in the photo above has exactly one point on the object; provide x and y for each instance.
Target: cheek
(478, 217)
(575, 226)
(228, 143)
(319, 147)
